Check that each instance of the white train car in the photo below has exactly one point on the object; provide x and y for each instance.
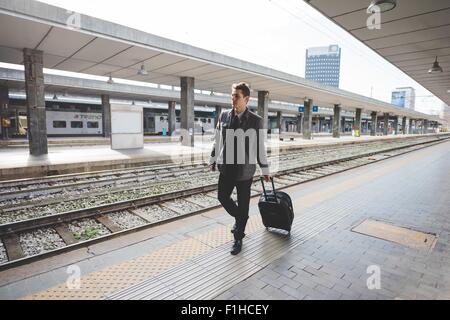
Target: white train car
(74, 123)
(162, 124)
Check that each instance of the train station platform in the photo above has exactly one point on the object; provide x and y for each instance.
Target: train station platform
(17, 163)
(379, 231)
(80, 141)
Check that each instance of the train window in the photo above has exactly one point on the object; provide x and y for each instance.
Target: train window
(203, 120)
(161, 118)
(209, 120)
(178, 120)
(59, 124)
(92, 124)
(195, 119)
(76, 124)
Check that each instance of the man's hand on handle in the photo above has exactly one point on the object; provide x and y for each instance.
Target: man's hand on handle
(267, 178)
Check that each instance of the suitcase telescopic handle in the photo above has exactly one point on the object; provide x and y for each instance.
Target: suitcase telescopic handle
(264, 189)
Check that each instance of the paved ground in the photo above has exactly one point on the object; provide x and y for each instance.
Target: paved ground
(411, 191)
(323, 259)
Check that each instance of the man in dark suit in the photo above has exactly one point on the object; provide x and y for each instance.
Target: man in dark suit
(239, 141)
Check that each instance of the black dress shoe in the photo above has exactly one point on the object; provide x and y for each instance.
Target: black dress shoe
(237, 247)
(233, 230)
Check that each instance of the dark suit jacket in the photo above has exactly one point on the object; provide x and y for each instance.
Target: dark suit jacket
(255, 151)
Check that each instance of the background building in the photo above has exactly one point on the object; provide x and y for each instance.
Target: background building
(323, 65)
(404, 98)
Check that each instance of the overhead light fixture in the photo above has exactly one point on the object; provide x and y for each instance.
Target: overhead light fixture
(142, 71)
(55, 97)
(110, 80)
(383, 5)
(436, 67)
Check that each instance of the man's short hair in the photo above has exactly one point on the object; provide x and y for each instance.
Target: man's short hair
(243, 87)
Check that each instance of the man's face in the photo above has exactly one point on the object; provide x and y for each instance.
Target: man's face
(238, 100)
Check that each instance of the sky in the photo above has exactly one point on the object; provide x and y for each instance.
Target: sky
(272, 33)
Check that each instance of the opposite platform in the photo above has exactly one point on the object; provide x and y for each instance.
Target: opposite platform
(18, 163)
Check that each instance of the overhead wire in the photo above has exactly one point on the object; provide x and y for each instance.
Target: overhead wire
(331, 34)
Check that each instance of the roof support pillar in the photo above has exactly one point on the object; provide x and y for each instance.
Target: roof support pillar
(358, 120)
(217, 115)
(106, 113)
(307, 119)
(386, 124)
(425, 126)
(263, 107)
(404, 129)
(373, 128)
(34, 87)
(337, 121)
(299, 123)
(395, 125)
(279, 121)
(4, 102)
(187, 111)
(172, 117)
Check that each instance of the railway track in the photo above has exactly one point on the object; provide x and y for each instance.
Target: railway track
(25, 240)
(67, 186)
(44, 204)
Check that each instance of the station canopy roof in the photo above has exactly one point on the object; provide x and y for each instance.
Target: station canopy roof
(410, 36)
(98, 47)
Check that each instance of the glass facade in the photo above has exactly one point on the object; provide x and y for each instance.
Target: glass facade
(323, 65)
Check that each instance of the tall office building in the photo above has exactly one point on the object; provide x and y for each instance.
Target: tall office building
(323, 65)
(404, 97)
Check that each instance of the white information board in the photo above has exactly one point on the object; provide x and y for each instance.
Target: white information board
(126, 122)
(127, 127)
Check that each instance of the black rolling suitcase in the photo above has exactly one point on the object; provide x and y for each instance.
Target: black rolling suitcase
(276, 209)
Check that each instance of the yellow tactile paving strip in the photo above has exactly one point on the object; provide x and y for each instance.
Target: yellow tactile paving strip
(98, 284)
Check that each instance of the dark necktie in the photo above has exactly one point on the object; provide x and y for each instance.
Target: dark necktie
(235, 123)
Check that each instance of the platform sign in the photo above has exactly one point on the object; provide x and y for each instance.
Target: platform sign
(301, 109)
(315, 109)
